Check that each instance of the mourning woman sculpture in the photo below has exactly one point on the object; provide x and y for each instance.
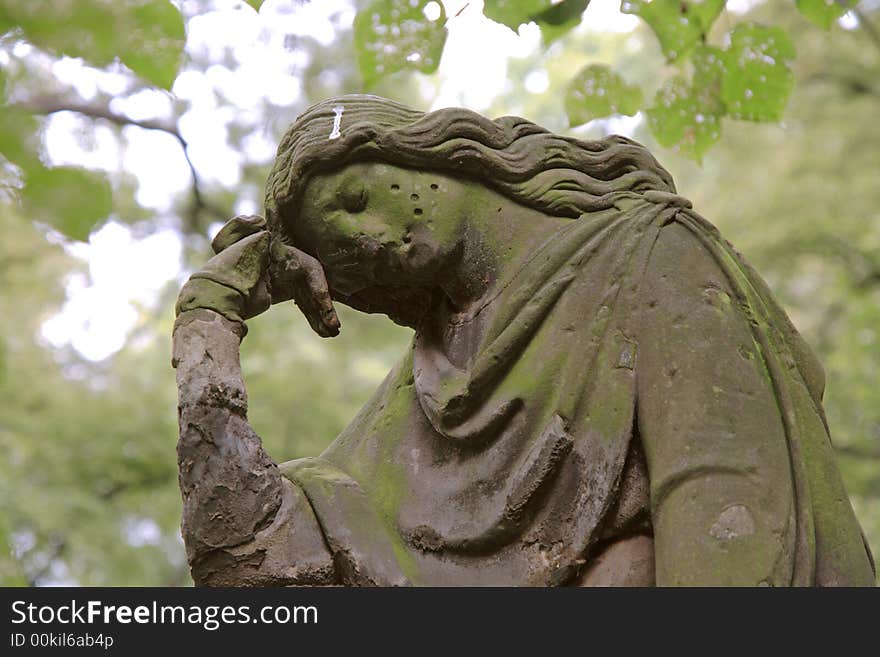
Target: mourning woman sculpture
(600, 391)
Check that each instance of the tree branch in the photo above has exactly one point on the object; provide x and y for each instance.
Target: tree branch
(862, 453)
(867, 26)
(51, 104)
(148, 481)
(57, 546)
(862, 265)
(852, 82)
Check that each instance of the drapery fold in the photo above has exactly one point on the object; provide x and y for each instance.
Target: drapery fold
(502, 470)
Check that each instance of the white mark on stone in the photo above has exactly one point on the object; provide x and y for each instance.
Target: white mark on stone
(734, 522)
(337, 122)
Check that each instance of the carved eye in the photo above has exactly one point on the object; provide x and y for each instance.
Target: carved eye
(353, 198)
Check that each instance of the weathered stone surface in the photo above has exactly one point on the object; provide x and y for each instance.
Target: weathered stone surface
(600, 391)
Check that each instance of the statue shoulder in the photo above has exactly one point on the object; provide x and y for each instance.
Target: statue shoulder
(682, 270)
(695, 277)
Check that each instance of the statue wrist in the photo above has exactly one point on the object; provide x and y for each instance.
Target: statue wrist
(202, 298)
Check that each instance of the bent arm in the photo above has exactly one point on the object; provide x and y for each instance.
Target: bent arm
(721, 487)
(243, 523)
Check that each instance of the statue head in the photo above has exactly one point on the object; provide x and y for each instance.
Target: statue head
(377, 191)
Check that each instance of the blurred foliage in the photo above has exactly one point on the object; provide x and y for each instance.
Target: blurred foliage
(71, 198)
(687, 113)
(88, 485)
(679, 26)
(555, 18)
(145, 35)
(752, 81)
(760, 55)
(824, 12)
(747, 76)
(597, 91)
(394, 35)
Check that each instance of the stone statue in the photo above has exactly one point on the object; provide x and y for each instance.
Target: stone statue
(600, 391)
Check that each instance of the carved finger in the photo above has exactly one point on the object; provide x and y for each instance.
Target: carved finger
(317, 295)
(259, 301)
(296, 275)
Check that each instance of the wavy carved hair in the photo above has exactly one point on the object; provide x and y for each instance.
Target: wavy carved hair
(557, 175)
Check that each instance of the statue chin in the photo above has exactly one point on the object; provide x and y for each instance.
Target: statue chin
(404, 305)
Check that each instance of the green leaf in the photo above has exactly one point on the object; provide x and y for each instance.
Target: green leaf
(679, 24)
(147, 35)
(551, 33)
(256, 4)
(6, 23)
(823, 12)
(709, 65)
(560, 18)
(154, 42)
(554, 18)
(596, 91)
(85, 28)
(394, 35)
(19, 142)
(757, 80)
(71, 199)
(686, 114)
(563, 12)
(514, 13)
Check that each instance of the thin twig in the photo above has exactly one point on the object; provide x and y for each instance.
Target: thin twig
(53, 104)
(864, 453)
(858, 82)
(150, 481)
(57, 546)
(868, 26)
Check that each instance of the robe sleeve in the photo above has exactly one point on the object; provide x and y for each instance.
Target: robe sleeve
(722, 492)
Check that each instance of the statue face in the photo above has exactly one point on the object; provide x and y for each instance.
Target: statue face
(374, 226)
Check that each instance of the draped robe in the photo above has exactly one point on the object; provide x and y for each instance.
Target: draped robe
(635, 323)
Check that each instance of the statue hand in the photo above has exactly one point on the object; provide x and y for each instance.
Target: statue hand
(251, 271)
(296, 275)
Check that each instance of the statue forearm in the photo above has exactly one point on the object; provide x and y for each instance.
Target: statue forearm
(231, 487)
(243, 524)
